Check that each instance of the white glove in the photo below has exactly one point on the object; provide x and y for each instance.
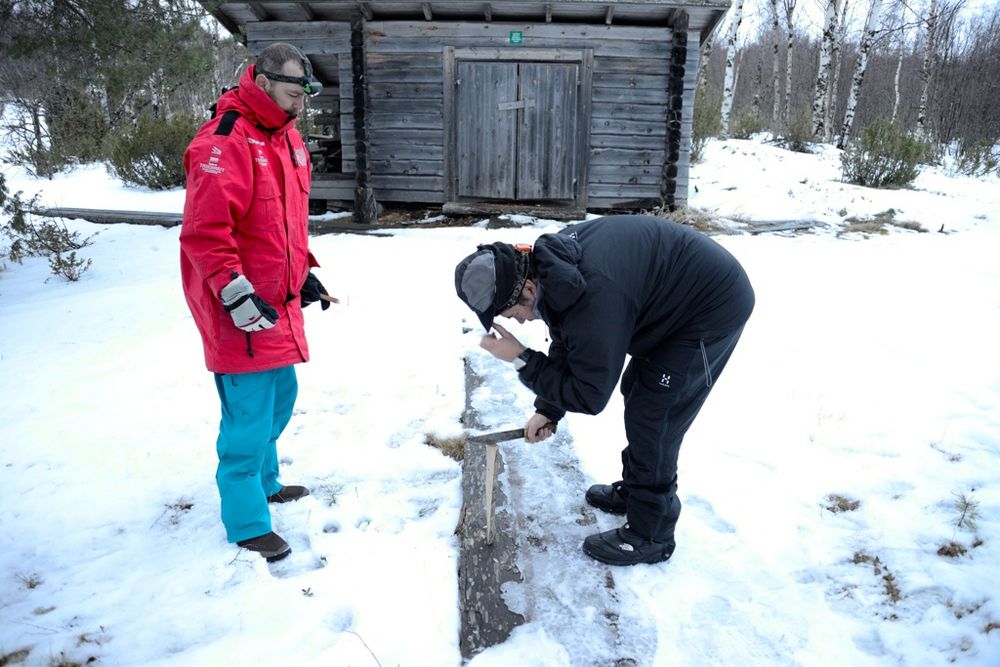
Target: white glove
(249, 311)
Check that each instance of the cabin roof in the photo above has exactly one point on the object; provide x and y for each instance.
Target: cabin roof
(702, 15)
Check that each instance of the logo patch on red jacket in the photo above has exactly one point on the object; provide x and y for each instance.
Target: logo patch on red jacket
(212, 166)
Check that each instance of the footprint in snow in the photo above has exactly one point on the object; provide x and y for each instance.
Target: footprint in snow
(302, 559)
(721, 634)
(707, 514)
(342, 620)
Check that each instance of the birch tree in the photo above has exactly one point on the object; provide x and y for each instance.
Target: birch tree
(925, 69)
(729, 85)
(823, 75)
(789, 50)
(867, 39)
(776, 66)
(838, 59)
(901, 51)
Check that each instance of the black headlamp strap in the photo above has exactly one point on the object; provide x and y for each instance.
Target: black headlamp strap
(301, 80)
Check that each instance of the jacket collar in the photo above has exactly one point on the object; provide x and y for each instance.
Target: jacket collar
(255, 105)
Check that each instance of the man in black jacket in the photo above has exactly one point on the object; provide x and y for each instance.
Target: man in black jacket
(671, 297)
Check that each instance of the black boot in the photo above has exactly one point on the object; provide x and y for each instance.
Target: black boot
(607, 497)
(288, 494)
(623, 546)
(270, 546)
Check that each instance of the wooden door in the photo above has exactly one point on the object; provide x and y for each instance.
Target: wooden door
(487, 134)
(516, 130)
(547, 133)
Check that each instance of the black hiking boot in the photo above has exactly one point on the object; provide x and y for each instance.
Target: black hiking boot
(288, 494)
(607, 497)
(623, 546)
(270, 546)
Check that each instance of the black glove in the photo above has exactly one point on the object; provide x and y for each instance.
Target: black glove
(249, 311)
(312, 290)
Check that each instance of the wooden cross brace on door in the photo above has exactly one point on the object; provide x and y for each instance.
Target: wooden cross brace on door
(518, 104)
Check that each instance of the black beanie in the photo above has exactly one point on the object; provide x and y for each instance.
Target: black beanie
(490, 280)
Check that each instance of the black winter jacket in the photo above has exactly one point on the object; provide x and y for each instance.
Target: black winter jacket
(625, 285)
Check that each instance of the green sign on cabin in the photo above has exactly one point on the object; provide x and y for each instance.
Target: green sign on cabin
(515, 37)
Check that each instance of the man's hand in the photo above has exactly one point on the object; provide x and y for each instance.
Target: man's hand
(249, 311)
(505, 347)
(538, 428)
(313, 290)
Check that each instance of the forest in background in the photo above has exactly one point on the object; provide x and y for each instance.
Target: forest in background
(823, 71)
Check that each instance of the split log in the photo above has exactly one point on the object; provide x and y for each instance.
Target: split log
(483, 568)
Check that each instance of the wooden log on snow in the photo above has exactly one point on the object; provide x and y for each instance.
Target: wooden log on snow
(483, 568)
(769, 226)
(107, 216)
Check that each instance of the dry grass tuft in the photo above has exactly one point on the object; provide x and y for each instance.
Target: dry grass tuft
(877, 224)
(837, 503)
(952, 550)
(862, 557)
(892, 591)
(451, 447)
(15, 657)
(703, 221)
(879, 569)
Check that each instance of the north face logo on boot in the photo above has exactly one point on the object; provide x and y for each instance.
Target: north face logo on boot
(625, 546)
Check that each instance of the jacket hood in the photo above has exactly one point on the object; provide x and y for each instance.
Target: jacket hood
(557, 257)
(255, 105)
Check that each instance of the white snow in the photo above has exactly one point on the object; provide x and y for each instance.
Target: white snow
(869, 370)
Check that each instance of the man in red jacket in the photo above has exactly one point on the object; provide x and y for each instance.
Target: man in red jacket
(245, 266)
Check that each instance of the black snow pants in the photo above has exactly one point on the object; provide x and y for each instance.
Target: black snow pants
(662, 398)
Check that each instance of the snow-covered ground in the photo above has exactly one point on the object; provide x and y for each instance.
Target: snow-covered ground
(869, 370)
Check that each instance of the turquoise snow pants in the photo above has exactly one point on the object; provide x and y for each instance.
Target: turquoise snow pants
(256, 408)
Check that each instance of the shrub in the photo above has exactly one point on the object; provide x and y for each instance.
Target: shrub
(47, 136)
(798, 133)
(883, 157)
(979, 159)
(77, 127)
(707, 121)
(746, 124)
(47, 238)
(152, 153)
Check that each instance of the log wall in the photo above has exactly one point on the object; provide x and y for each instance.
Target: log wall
(629, 147)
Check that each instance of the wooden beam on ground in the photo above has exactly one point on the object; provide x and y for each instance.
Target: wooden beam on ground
(770, 226)
(499, 208)
(483, 568)
(109, 217)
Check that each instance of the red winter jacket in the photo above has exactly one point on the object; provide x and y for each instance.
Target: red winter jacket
(246, 212)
